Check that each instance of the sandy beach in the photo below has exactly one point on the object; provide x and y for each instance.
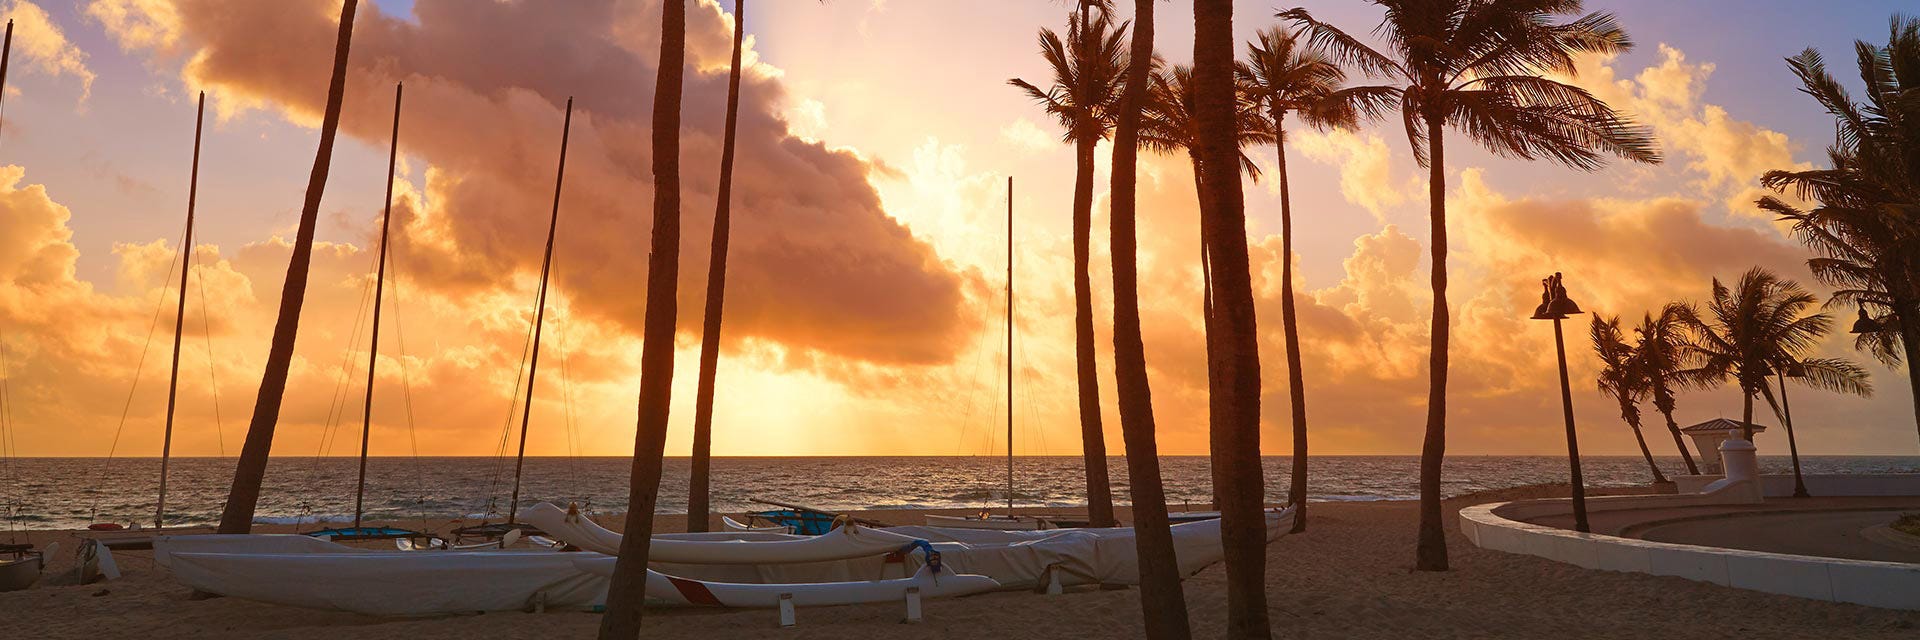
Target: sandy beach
(1347, 577)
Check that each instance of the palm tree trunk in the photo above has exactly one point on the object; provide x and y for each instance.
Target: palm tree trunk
(1431, 551)
(1679, 442)
(1093, 443)
(1908, 315)
(629, 584)
(1162, 603)
(1658, 477)
(1793, 447)
(1239, 486)
(237, 517)
(698, 509)
(1296, 383)
(1746, 416)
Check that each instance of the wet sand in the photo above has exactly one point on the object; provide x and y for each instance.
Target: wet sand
(1349, 576)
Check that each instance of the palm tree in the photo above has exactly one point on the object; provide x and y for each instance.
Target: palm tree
(1088, 70)
(1233, 338)
(629, 584)
(1863, 227)
(1478, 65)
(1758, 327)
(1286, 77)
(1623, 379)
(1831, 374)
(1661, 344)
(1162, 603)
(237, 517)
(697, 502)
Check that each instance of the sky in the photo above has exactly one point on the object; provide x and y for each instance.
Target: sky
(866, 279)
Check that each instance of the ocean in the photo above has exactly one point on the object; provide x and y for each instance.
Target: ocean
(68, 493)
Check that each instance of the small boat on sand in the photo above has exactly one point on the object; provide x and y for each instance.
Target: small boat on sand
(21, 564)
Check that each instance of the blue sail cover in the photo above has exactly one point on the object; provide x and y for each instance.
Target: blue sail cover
(366, 533)
(804, 521)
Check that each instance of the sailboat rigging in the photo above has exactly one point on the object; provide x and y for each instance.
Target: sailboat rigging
(180, 316)
(359, 532)
(1007, 521)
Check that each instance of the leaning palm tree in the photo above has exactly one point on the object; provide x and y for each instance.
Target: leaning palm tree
(1285, 76)
(1659, 349)
(1480, 66)
(1622, 379)
(1162, 604)
(1088, 74)
(1864, 228)
(1760, 326)
(697, 501)
(629, 585)
(237, 517)
(1830, 374)
(1233, 338)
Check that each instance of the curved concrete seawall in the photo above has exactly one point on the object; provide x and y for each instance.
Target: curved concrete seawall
(1501, 527)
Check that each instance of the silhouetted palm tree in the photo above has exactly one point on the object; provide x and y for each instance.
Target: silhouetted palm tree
(629, 584)
(1864, 227)
(1622, 379)
(1088, 73)
(1661, 343)
(1161, 601)
(1233, 336)
(1832, 374)
(1169, 124)
(1479, 65)
(697, 504)
(1760, 326)
(237, 517)
(1285, 76)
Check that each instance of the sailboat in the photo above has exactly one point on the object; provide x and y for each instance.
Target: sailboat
(494, 531)
(359, 531)
(1007, 521)
(20, 563)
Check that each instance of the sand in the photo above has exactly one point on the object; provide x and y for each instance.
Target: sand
(1348, 577)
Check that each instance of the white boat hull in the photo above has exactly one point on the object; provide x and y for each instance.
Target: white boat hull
(996, 523)
(670, 590)
(20, 573)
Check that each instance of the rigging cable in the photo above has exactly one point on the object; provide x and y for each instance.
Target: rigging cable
(93, 508)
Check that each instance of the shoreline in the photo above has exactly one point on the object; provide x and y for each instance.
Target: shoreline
(1349, 575)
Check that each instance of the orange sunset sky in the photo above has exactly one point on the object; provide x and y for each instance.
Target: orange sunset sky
(864, 303)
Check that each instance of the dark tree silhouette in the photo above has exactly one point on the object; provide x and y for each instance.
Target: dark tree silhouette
(1088, 73)
(1661, 343)
(1758, 327)
(1233, 336)
(1864, 228)
(1161, 601)
(1480, 66)
(698, 510)
(1622, 379)
(237, 517)
(1285, 76)
(629, 584)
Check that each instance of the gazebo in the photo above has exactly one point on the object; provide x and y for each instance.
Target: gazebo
(1707, 437)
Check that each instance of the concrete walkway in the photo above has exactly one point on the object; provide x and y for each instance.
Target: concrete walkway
(1825, 527)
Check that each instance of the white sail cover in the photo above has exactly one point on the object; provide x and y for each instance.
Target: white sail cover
(395, 583)
(844, 543)
(1015, 559)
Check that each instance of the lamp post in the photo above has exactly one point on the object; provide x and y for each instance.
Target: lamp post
(1792, 370)
(1555, 306)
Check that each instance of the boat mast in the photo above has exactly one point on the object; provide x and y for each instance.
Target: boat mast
(379, 291)
(180, 315)
(1009, 345)
(539, 317)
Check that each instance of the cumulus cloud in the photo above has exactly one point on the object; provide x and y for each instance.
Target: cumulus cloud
(816, 262)
(44, 47)
(1727, 155)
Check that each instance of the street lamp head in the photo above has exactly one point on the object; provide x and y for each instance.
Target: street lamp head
(1865, 324)
(1554, 303)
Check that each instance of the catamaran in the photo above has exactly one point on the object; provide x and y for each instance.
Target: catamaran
(1006, 521)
